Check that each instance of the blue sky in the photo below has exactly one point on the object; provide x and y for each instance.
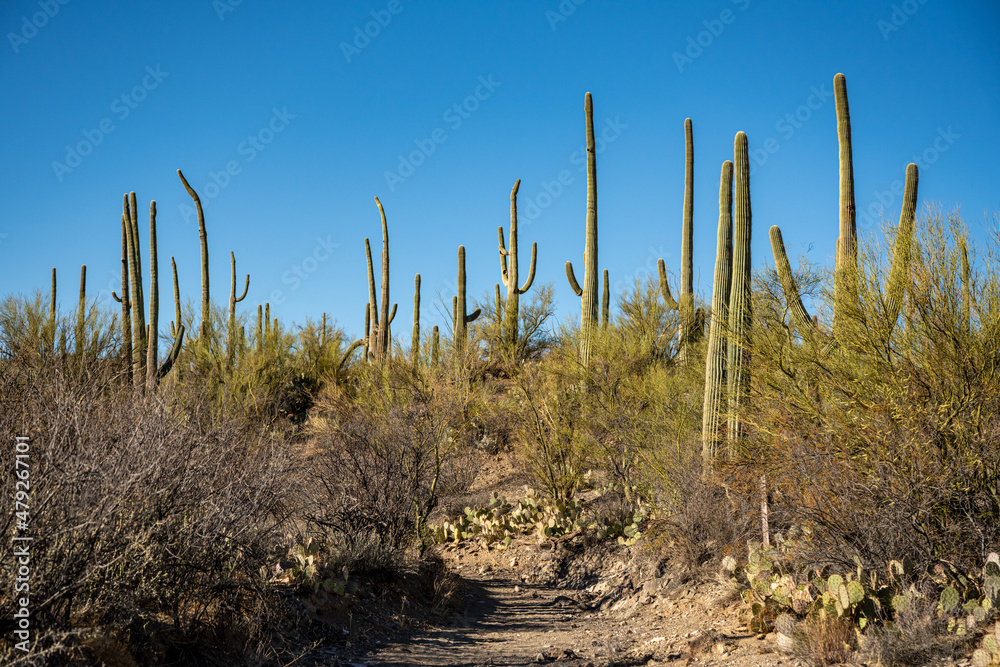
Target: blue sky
(288, 119)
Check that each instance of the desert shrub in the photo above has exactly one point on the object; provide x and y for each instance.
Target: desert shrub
(149, 528)
(382, 462)
(551, 428)
(885, 442)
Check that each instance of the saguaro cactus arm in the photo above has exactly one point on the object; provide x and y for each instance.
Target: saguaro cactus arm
(232, 283)
(175, 350)
(350, 350)
(177, 299)
(800, 316)
(571, 277)
(203, 236)
(665, 285)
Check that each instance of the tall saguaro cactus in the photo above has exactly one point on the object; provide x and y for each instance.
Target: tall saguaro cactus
(381, 317)
(459, 307)
(688, 328)
(126, 304)
(81, 314)
(135, 290)
(152, 335)
(142, 340)
(51, 328)
(415, 338)
(206, 306)
(845, 270)
(686, 301)
(509, 271)
(715, 359)
(233, 300)
(740, 312)
(588, 293)
(900, 268)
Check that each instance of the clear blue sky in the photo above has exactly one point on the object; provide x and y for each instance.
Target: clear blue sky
(310, 114)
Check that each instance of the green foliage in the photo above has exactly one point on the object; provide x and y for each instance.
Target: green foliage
(500, 522)
(301, 566)
(776, 584)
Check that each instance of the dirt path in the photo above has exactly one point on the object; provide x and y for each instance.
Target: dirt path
(509, 622)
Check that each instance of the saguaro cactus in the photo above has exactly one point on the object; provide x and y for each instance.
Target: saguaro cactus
(135, 290)
(368, 327)
(381, 317)
(415, 338)
(688, 328)
(715, 359)
(206, 306)
(152, 335)
(126, 304)
(588, 293)
(81, 314)
(900, 268)
(435, 345)
(140, 341)
(233, 300)
(740, 313)
(154, 370)
(459, 308)
(51, 328)
(509, 271)
(963, 250)
(686, 298)
(845, 293)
